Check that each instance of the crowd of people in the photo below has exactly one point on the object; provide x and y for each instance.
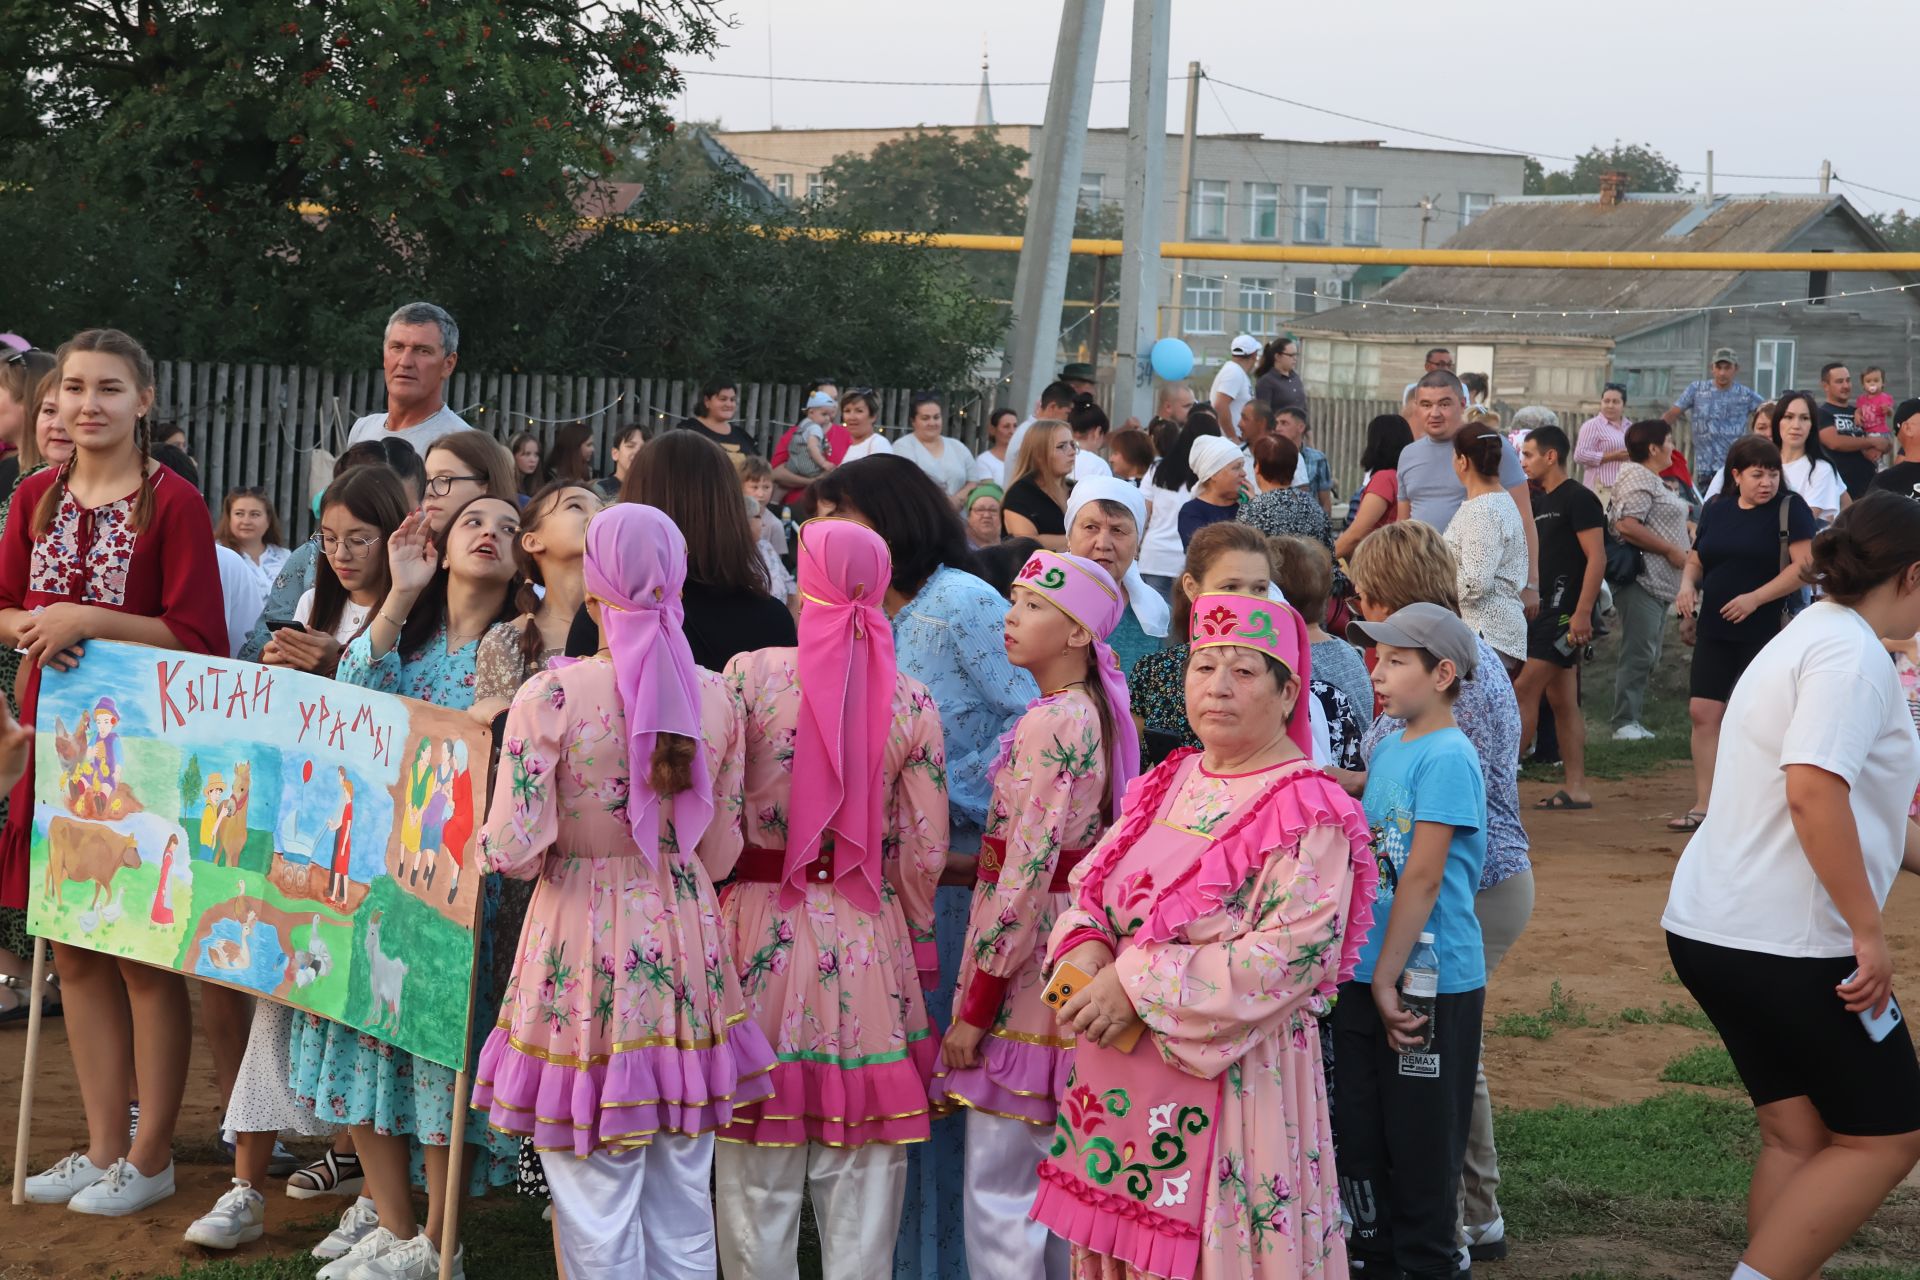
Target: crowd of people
(948, 830)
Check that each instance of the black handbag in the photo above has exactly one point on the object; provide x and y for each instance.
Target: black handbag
(1624, 560)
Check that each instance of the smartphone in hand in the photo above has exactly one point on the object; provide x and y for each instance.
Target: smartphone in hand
(1879, 1026)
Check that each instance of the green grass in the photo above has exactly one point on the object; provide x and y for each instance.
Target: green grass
(1637, 1016)
(1560, 1012)
(1707, 1065)
(1683, 1015)
(1666, 715)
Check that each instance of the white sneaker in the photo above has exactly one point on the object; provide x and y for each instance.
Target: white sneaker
(123, 1190)
(359, 1219)
(1634, 732)
(1488, 1243)
(371, 1245)
(414, 1259)
(65, 1180)
(237, 1218)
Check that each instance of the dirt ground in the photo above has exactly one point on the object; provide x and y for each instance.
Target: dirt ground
(1602, 880)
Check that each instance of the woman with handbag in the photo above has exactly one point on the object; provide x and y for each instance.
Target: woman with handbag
(1645, 515)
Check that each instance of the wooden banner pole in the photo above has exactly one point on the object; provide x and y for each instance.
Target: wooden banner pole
(456, 1182)
(35, 1009)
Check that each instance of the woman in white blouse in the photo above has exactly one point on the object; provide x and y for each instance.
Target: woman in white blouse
(1803, 463)
(945, 460)
(1490, 542)
(860, 413)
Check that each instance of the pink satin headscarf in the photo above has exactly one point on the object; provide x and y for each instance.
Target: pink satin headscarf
(635, 566)
(847, 679)
(1278, 630)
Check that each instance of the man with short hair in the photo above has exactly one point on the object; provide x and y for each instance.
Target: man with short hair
(422, 347)
(1256, 419)
(1719, 408)
(1056, 403)
(1903, 477)
(1439, 359)
(1233, 385)
(1431, 492)
(626, 443)
(1313, 474)
(1854, 453)
(1175, 402)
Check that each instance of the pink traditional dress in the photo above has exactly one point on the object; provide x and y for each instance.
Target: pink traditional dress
(1055, 783)
(845, 819)
(1233, 905)
(623, 1040)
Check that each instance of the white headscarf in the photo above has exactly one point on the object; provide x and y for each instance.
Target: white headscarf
(1210, 456)
(1150, 608)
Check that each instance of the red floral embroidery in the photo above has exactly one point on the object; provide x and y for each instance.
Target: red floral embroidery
(1216, 621)
(1031, 569)
(86, 553)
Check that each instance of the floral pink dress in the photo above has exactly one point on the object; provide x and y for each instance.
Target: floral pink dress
(838, 989)
(623, 1018)
(1250, 880)
(1047, 800)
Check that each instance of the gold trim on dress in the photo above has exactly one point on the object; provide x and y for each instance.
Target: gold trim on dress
(1028, 1037)
(1004, 1115)
(619, 1047)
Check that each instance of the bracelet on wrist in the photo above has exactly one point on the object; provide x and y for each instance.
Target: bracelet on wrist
(397, 626)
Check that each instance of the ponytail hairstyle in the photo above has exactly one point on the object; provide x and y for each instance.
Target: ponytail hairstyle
(110, 342)
(1869, 543)
(1087, 416)
(670, 771)
(275, 536)
(1482, 447)
(544, 502)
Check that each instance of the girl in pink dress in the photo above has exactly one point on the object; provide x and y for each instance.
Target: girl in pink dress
(1222, 911)
(1059, 779)
(623, 1041)
(846, 834)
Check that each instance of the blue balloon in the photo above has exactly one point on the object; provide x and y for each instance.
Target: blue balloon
(1172, 359)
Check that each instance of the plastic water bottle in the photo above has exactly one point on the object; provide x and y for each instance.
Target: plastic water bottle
(1420, 988)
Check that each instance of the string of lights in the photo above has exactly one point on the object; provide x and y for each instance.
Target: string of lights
(1516, 313)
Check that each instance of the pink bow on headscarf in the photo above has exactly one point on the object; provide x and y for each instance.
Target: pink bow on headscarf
(847, 678)
(635, 566)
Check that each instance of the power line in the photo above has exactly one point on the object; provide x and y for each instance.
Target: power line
(1516, 313)
(891, 84)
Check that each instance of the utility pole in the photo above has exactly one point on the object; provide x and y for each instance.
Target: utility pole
(1826, 176)
(1709, 176)
(1426, 216)
(1040, 286)
(1141, 207)
(1186, 181)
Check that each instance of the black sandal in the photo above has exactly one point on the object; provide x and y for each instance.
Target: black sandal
(50, 1004)
(1688, 821)
(331, 1175)
(1560, 800)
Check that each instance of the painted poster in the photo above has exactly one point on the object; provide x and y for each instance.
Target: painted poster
(301, 839)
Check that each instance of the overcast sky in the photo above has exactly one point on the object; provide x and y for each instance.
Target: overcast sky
(1773, 90)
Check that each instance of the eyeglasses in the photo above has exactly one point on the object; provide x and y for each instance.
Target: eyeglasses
(441, 486)
(344, 548)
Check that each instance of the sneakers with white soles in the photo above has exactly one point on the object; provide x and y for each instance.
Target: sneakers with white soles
(359, 1219)
(414, 1259)
(371, 1245)
(1634, 732)
(238, 1217)
(65, 1180)
(122, 1190)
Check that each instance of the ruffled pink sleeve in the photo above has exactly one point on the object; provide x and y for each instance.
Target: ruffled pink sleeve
(917, 824)
(726, 748)
(1208, 1004)
(524, 820)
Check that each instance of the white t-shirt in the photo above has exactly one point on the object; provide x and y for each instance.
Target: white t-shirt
(241, 594)
(991, 469)
(420, 435)
(1822, 693)
(352, 616)
(1088, 465)
(1817, 484)
(1160, 551)
(875, 443)
(1232, 381)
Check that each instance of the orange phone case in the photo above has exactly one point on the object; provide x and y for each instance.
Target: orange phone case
(1067, 979)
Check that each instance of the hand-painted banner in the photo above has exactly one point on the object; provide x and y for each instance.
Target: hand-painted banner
(301, 839)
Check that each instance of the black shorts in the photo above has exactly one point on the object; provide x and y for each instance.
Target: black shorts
(1718, 665)
(1790, 1036)
(1545, 632)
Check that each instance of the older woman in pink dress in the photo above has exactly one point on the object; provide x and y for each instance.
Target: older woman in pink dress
(1222, 911)
(623, 1040)
(1058, 781)
(846, 830)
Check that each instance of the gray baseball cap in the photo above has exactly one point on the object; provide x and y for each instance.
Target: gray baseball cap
(1432, 627)
(1724, 356)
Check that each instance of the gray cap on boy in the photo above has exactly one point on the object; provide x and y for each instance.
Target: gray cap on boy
(1432, 627)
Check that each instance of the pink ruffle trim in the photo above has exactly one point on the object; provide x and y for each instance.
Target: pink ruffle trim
(842, 1106)
(1015, 1078)
(625, 1100)
(1116, 1226)
(1294, 804)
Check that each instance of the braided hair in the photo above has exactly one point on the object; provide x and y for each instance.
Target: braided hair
(111, 342)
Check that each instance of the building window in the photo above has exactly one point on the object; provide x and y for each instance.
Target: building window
(783, 185)
(1312, 205)
(1209, 220)
(1263, 211)
(1363, 215)
(1342, 370)
(1258, 296)
(816, 186)
(1204, 297)
(1647, 385)
(1092, 191)
(1473, 204)
(1304, 290)
(1773, 367)
(1819, 285)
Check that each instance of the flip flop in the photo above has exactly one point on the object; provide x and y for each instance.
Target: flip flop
(1560, 800)
(1688, 821)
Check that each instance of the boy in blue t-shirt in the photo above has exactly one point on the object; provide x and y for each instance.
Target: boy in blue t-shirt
(1403, 1109)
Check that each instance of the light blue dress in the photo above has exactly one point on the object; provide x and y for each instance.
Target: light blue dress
(350, 1078)
(950, 637)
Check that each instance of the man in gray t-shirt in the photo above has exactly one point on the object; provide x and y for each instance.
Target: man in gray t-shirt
(421, 348)
(1430, 492)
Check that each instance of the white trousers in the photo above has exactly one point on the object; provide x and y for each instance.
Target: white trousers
(857, 1196)
(636, 1213)
(1003, 1177)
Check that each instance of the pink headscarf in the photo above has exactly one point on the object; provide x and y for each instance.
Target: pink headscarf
(1277, 630)
(847, 678)
(1084, 592)
(635, 566)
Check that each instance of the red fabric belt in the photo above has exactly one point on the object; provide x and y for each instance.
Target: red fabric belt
(766, 866)
(993, 856)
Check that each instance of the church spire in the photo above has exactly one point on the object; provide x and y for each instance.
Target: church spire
(983, 111)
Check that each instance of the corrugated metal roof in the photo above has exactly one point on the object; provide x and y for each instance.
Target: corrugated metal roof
(1755, 224)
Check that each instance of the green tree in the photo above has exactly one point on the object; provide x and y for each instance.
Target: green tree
(189, 786)
(1646, 170)
(262, 179)
(932, 181)
(1900, 231)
